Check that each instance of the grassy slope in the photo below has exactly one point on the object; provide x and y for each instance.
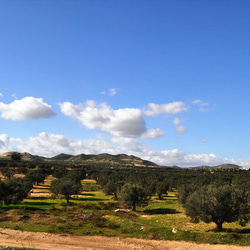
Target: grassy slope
(92, 213)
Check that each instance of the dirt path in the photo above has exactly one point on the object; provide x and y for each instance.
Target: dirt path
(15, 238)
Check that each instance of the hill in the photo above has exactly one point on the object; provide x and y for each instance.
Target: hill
(221, 166)
(121, 159)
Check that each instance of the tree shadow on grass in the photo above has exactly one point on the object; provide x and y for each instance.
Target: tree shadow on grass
(161, 211)
(87, 199)
(41, 187)
(84, 194)
(30, 203)
(236, 230)
(41, 198)
(27, 207)
(231, 230)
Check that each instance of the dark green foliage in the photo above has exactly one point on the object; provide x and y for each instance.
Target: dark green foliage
(15, 156)
(76, 174)
(161, 188)
(2, 190)
(66, 187)
(60, 171)
(35, 177)
(31, 165)
(132, 195)
(7, 172)
(112, 184)
(217, 204)
(111, 188)
(15, 190)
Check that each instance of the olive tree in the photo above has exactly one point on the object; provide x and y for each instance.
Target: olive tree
(15, 190)
(133, 194)
(218, 204)
(66, 187)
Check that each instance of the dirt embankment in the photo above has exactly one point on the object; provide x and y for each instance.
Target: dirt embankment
(37, 240)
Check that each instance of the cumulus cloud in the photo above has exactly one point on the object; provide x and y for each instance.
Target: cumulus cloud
(179, 158)
(203, 106)
(168, 108)
(153, 133)
(110, 92)
(26, 108)
(121, 122)
(204, 140)
(180, 129)
(8, 144)
(197, 101)
(129, 146)
(176, 121)
(47, 144)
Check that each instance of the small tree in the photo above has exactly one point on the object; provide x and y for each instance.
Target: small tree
(217, 204)
(60, 171)
(66, 187)
(162, 187)
(132, 195)
(76, 174)
(35, 177)
(15, 190)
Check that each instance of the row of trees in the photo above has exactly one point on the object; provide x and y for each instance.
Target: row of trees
(14, 190)
(67, 182)
(218, 196)
(210, 196)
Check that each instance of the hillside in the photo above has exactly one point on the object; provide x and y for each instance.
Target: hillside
(121, 159)
(221, 166)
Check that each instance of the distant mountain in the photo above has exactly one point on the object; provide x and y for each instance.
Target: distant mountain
(222, 166)
(121, 159)
(227, 166)
(24, 156)
(61, 157)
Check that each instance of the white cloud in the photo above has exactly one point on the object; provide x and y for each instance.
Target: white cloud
(203, 109)
(203, 106)
(47, 144)
(181, 159)
(176, 121)
(169, 108)
(129, 146)
(1, 95)
(26, 108)
(14, 96)
(197, 101)
(153, 133)
(180, 129)
(112, 92)
(127, 122)
(204, 140)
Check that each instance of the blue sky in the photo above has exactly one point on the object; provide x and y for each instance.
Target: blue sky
(167, 81)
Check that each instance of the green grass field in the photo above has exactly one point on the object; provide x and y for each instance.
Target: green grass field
(93, 213)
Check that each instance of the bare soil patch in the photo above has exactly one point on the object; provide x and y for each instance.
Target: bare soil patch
(38, 240)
